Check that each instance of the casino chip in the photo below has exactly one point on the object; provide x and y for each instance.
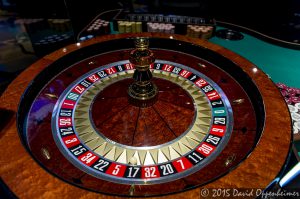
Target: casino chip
(292, 98)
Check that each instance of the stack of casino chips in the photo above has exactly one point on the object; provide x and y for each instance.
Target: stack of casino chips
(292, 98)
(160, 27)
(99, 27)
(129, 27)
(54, 38)
(60, 25)
(295, 114)
(50, 43)
(291, 95)
(30, 25)
(86, 37)
(202, 32)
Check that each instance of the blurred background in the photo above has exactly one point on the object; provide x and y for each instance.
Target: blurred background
(30, 29)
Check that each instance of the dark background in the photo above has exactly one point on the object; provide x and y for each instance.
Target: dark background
(279, 19)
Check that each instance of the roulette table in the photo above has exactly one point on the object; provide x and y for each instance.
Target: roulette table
(77, 127)
(278, 58)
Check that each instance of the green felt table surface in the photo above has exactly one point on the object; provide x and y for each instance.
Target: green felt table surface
(281, 64)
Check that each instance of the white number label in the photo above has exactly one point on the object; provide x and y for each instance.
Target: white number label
(167, 68)
(181, 164)
(201, 82)
(102, 74)
(213, 139)
(150, 172)
(128, 66)
(93, 78)
(79, 89)
(185, 73)
(120, 68)
(194, 77)
(101, 165)
(110, 71)
(66, 131)
(65, 122)
(176, 70)
(65, 113)
(195, 157)
(220, 120)
(207, 88)
(88, 158)
(217, 130)
(85, 83)
(205, 149)
(167, 169)
(73, 96)
(71, 141)
(78, 150)
(116, 170)
(219, 111)
(133, 171)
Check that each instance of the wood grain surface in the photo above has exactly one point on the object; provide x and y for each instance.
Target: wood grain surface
(27, 179)
(127, 124)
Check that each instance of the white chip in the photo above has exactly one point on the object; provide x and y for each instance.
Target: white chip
(293, 109)
(295, 130)
(297, 125)
(297, 105)
(295, 116)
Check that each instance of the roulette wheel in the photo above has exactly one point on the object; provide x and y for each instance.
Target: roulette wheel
(145, 114)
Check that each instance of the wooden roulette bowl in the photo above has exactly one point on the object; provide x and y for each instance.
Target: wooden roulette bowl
(175, 147)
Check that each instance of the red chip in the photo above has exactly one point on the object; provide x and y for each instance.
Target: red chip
(284, 93)
(291, 90)
(295, 99)
(282, 86)
(297, 91)
(288, 100)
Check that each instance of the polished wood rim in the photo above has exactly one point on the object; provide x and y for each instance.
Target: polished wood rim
(27, 179)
